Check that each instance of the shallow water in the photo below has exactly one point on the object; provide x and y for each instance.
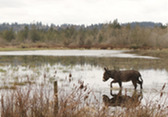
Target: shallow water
(47, 66)
(88, 53)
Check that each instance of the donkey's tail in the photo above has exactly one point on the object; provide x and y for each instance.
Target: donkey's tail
(140, 77)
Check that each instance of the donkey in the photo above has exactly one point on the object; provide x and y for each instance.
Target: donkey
(123, 76)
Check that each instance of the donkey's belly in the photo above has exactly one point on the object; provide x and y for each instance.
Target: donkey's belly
(126, 79)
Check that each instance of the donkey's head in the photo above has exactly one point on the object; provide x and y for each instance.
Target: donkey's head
(106, 74)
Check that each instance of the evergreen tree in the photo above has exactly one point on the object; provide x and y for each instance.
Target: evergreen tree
(34, 34)
(9, 35)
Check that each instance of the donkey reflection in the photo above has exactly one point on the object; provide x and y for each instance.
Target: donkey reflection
(123, 100)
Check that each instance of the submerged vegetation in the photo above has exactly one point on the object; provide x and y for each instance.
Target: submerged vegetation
(107, 35)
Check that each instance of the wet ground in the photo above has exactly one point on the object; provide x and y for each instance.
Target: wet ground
(73, 67)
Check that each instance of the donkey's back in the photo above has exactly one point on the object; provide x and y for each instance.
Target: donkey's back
(128, 75)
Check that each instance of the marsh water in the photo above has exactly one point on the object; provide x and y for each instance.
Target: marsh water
(72, 67)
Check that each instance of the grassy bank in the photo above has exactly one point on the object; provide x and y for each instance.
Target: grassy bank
(161, 53)
(39, 102)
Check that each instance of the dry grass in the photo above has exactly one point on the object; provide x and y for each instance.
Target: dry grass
(40, 102)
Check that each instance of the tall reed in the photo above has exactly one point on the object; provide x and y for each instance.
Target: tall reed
(39, 101)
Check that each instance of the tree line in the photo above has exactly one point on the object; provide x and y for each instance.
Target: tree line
(107, 35)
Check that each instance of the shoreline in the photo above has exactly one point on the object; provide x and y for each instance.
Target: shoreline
(154, 52)
(97, 47)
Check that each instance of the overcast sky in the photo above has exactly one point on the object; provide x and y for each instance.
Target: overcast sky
(83, 11)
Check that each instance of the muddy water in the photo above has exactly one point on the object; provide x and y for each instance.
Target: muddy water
(47, 66)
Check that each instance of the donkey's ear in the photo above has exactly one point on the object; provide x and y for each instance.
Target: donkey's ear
(105, 69)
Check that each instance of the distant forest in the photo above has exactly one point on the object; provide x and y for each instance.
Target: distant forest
(106, 35)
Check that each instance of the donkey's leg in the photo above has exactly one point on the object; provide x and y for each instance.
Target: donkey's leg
(111, 86)
(120, 84)
(134, 83)
(112, 83)
(141, 86)
(140, 83)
